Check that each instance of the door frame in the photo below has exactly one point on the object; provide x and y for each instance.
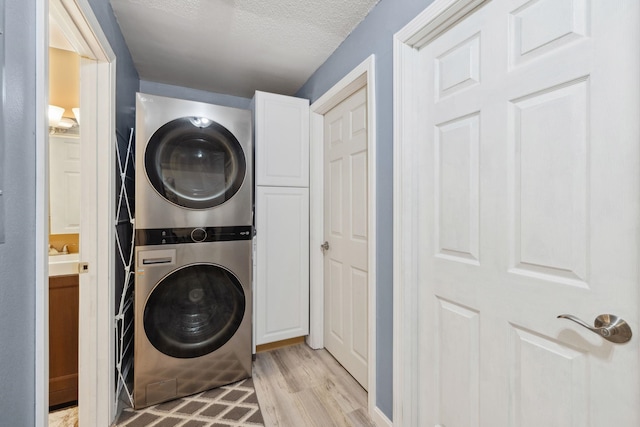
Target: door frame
(96, 358)
(361, 76)
(438, 17)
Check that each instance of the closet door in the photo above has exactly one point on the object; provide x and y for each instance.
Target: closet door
(282, 140)
(282, 260)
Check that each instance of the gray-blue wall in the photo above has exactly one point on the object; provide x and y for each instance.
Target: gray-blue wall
(17, 266)
(127, 80)
(179, 92)
(374, 35)
(17, 254)
(127, 84)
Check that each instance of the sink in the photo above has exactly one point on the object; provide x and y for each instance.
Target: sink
(63, 265)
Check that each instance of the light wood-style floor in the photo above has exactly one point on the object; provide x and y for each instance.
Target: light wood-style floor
(298, 386)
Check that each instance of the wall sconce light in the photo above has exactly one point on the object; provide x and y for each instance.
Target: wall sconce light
(56, 121)
(76, 114)
(55, 115)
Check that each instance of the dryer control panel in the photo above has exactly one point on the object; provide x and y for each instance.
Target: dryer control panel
(172, 236)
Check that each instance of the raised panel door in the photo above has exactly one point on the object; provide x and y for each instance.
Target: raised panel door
(528, 209)
(282, 261)
(282, 140)
(346, 269)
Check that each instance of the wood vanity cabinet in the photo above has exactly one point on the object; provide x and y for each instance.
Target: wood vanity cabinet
(63, 339)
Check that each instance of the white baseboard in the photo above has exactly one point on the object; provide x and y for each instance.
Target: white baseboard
(380, 419)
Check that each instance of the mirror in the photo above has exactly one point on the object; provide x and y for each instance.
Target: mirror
(64, 184)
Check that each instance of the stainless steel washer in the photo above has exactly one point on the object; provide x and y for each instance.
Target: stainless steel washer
(193, 310)
(194, 164)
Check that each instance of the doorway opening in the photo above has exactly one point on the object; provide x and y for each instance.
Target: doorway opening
(363, 76)
(96, 397)
(64, 221)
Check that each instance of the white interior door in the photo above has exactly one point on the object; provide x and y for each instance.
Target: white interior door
(529, 191)
(346, 292)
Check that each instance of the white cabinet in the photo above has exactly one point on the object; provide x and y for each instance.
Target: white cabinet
(282, 140)
(282, 261)
(281, 287)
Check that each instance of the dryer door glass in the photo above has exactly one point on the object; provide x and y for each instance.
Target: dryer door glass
(195, 163)
(194, 310)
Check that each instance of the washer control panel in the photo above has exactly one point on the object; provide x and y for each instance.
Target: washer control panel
(172, 236)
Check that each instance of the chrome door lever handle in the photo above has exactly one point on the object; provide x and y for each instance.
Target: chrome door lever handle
(324, 247)
(608, 326)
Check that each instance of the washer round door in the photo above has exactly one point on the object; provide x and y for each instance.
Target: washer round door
(194, 311)
(195, 163)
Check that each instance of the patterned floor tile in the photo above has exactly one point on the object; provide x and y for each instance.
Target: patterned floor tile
(234, 405)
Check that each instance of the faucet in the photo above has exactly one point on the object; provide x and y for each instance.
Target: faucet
(54, 251)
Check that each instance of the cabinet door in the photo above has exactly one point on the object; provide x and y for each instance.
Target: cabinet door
(63, 339)
(282, 260)
(282, 140)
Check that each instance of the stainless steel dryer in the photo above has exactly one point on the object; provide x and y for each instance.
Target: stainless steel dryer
(193, 162)
(193, 310)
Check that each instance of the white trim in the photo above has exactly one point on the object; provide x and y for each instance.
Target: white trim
(316, 233)
(362, 75)
(105, 261)
(429, 24)
(59, 14)
(435, 20)
(42, 217)
(404, 326)
(379, 418)
(96, 354)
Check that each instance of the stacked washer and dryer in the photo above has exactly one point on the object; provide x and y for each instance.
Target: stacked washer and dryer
(193, 249)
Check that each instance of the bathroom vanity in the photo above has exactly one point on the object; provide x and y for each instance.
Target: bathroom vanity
(63, 339)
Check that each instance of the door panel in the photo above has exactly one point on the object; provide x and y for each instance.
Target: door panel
(550, 184)
(346, 222)
(282, 140)
(528, 210)
(282, 260)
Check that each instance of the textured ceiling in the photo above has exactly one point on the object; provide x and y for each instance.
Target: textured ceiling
(235, 46)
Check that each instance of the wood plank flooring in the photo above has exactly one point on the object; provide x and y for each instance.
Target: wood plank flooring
(299, 387)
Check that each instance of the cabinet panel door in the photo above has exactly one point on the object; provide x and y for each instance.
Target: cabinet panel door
(282, 140)
(63, 339)
(282, 259)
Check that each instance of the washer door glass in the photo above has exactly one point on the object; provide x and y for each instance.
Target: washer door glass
(195, 163)
(194, 310)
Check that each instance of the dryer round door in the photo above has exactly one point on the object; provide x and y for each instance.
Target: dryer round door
(195, 163)
(194, 310)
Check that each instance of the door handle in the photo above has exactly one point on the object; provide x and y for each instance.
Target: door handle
(324, 247)
(608, 326)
